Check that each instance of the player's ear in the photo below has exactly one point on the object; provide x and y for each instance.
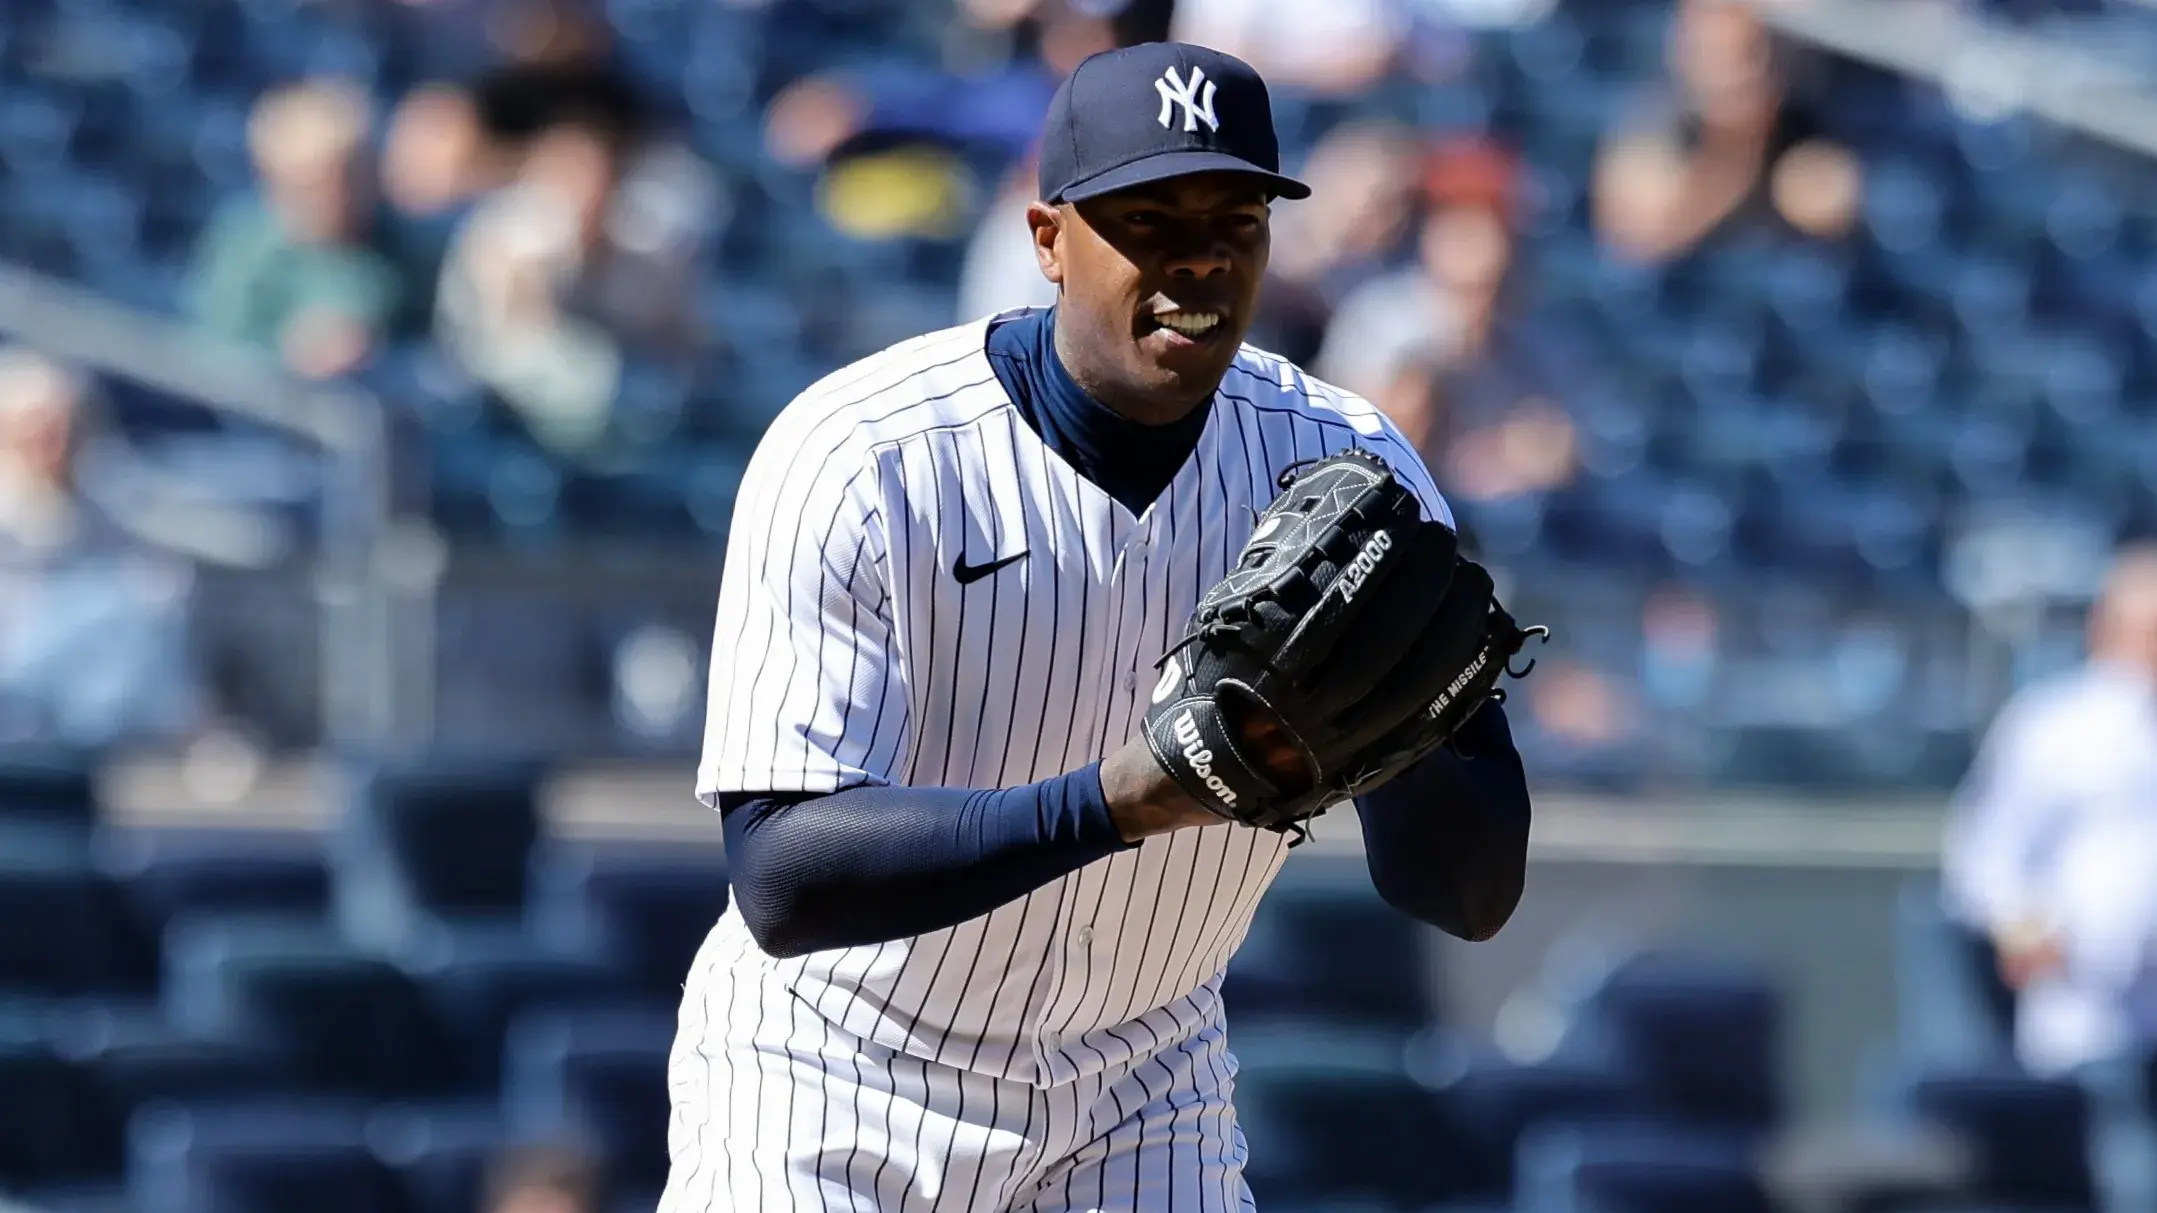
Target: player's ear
(1046, 223)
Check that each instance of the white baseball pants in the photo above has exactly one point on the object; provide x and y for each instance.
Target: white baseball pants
(776, 1108)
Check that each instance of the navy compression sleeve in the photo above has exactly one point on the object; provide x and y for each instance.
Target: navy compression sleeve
(872, 864)
(1447, 840)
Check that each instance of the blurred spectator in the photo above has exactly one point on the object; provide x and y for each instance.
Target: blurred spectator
(1324, 48)
(558, 281)
(437, 158)
(997, 109)
(557, 62)
(872, 127)
(93, 636)
(894, 137)
(2051, 854)
(1000, 270)
(905, 192)
(1363, 174)
(1577, 723)
(1729, 138)
(543, 1179)
(1680, 654)
(1441, 347)
(436, 155)
(290, 270)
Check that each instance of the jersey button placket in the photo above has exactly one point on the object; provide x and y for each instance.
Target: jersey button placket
(1137, 550)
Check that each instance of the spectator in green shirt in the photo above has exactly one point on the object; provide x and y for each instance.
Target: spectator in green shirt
(289, 270)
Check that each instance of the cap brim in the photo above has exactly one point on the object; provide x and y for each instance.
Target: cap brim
(1165, 165)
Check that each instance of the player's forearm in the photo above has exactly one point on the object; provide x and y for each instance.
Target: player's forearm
(1447, 841)
(873, 864)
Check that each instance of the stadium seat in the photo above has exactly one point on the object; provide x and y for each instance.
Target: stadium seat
(645, 908)
(60, 929)
(439, 1152)
(162, 874)
(477, 980)
(47, 1117)
(270, 1157)
(434, 841)
(88, 1197)
(1701, 1035)
(47, 786)
(2030, 1136)
(133, 1063)
(351, 1022)
(1490, 1106)
(1636, 1169)
(597, 1078)
(1324, 946)
(1332, 1113)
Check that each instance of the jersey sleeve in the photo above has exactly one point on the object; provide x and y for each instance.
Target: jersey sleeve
(1375, 432)
(806, 691)
(1393, 446)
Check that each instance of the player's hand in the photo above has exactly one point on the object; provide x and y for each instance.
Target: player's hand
(2028, 953)
(1143, 799)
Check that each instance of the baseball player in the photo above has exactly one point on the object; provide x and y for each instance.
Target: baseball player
(987, 871)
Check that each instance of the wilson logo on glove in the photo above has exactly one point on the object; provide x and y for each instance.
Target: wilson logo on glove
(1201, 759)
(1359, 570)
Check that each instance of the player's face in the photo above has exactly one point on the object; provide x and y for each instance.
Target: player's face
(1159, 286)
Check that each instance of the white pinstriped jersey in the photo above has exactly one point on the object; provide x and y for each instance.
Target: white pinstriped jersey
(847, 653)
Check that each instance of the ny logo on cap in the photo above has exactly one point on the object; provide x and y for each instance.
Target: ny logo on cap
(1195, 96)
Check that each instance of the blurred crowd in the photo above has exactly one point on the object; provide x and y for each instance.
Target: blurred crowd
(537, 222)
(1664, 297)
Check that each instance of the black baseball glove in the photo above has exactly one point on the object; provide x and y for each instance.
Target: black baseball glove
(1350, 639)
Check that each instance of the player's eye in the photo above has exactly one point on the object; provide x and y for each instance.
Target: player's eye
(1148, 220)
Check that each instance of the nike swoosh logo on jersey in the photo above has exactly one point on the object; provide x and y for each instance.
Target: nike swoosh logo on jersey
(967, 574)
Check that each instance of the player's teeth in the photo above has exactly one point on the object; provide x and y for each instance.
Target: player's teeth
(1190, 324)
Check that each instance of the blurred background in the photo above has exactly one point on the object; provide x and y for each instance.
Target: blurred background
(375, 377)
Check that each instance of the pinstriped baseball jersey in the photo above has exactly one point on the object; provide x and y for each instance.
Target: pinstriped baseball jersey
(918, 591)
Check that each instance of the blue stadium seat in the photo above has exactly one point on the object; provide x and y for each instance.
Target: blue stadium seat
(274, 1156)
(1636, 1169)
(350, 1021)
(48, 1117)
(1702, 1035)
(477, 980)
(524, 493)
(439, 1152)
(167, 874)
(144, 1063)
(1490, 1106)
(1324, 946)
(2030, 1137)
(597, 1078)
(432, 841)
(647, 909)
(85, 1197)
(631, 507)
(49, 786)
(1331, 1113)
(60, 928)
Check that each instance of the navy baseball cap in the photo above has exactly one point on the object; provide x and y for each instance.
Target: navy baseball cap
(1158, 110)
